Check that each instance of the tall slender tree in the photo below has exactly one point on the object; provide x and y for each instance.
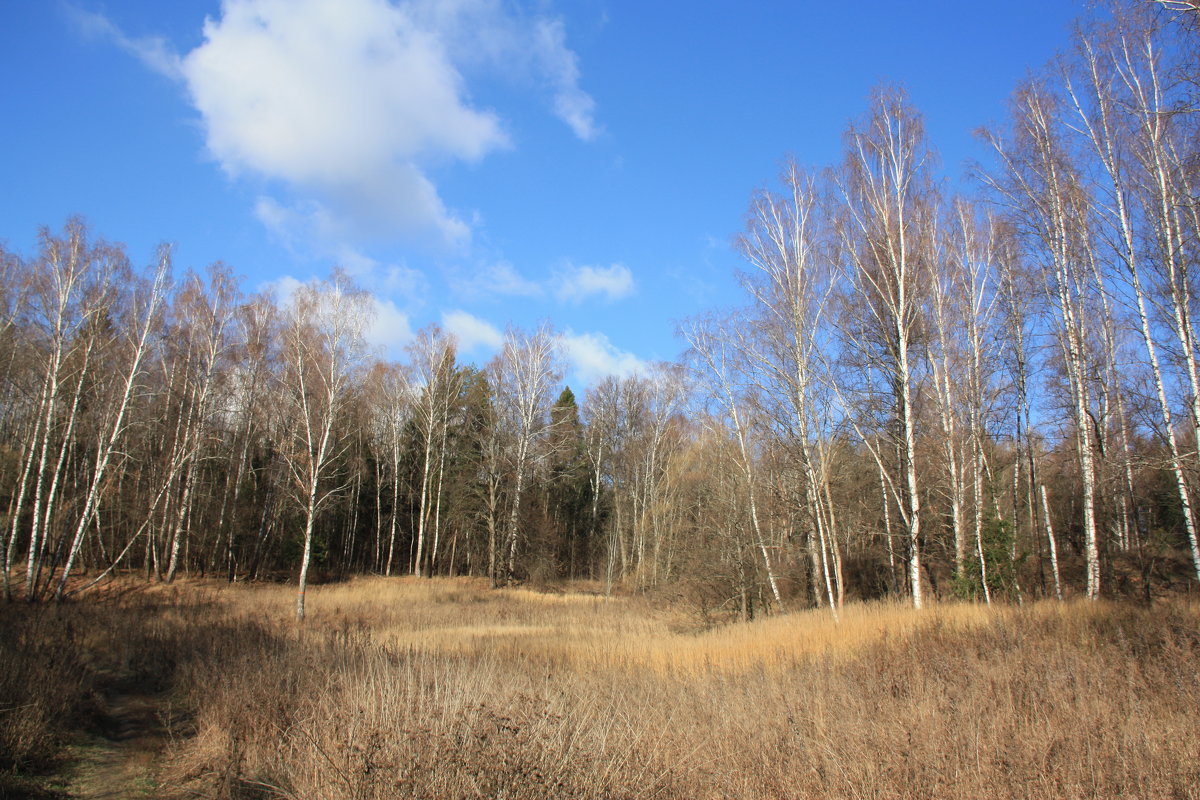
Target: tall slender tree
(323, 352)
(523, 375)
(888, 229)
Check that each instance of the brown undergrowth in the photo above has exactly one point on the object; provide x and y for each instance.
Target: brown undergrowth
(432, 689)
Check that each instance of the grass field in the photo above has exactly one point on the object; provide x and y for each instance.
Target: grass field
(445, 688)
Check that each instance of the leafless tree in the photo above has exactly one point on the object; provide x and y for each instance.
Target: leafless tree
(72, 292)
(524, 375)
(142, 320)
(1127, 108)
(887, 227)
(203, 315)
(1047, 202)
(393, 403)
(714, 345)
(786, 243)
(437, 383)
(323, 351)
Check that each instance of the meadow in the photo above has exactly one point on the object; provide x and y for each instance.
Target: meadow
(448, 689)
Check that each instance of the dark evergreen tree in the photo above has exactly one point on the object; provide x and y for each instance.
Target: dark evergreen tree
(568, 495)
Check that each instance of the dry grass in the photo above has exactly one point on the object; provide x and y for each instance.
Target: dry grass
(588, 631)
(431, 689)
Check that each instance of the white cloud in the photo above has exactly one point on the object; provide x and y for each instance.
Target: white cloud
(296, 226)
(575, 284)
(340, 100)
(571, 284)
(496, 279)
(357, 263)
(391, 279)
(275, 218)
(593, 357)
(471, 332)
(390, 327)
(346, 103)
(282, 289)
(301, 231)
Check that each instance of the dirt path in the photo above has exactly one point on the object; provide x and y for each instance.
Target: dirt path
(119, 760)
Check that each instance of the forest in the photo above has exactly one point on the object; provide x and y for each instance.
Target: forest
(985, 390)
(990, 396)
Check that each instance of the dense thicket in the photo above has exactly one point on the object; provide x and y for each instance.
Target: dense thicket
(991, 396)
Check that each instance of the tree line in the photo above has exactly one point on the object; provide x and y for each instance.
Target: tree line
(991, 394)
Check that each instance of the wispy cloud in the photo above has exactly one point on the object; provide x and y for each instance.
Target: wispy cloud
(495, 280)
(576, 284)
(571, 104)
(526, 47)
(153, 51)
(591, 357)
(571, 284)
(307, 232)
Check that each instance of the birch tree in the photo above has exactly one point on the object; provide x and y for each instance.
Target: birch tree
(204, 314)
(524, 375)
(323, 350)
(602, 409)
(255, 357)
(72, 293)
(393, 409)
(785, 243)
(1128, 106)
(437, 383)
(1041, 189)
(966, 307)
(887, 229)
(142, 320)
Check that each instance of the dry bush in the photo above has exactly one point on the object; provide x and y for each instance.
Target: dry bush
(44, 686)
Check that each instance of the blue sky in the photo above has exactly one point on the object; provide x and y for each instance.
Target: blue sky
(474, 162)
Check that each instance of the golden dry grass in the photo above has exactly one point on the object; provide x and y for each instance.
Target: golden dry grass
(445, 688)
(588, 631)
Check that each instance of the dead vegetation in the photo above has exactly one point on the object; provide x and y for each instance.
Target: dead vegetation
(442, 688)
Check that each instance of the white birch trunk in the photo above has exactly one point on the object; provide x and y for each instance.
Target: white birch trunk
(1053, 546)
(116, 430)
